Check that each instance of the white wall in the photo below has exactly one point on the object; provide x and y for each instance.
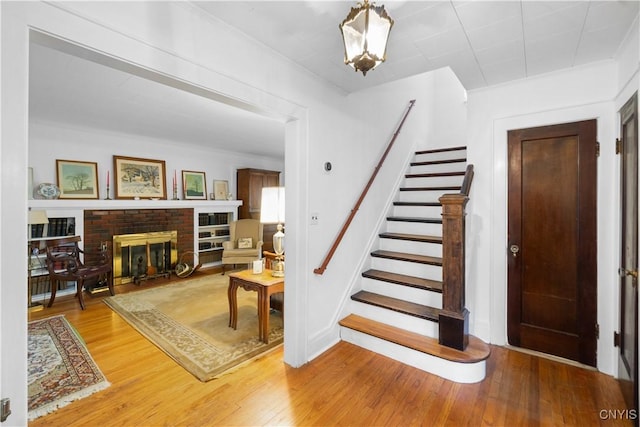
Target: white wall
(48, 142)
(579, 94)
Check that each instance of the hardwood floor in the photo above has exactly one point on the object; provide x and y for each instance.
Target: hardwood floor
(346, 385)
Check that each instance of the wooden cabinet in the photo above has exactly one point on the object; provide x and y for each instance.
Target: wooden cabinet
(249, 189)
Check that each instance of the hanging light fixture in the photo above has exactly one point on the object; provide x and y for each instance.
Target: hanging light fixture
(365, 32)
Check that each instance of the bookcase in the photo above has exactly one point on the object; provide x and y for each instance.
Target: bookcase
(213, 229)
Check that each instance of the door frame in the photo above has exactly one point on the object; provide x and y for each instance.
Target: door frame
(608, 222)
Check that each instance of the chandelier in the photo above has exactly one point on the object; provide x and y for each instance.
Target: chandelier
(365, 32)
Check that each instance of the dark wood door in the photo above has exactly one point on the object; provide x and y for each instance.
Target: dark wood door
(628, 337)
(552, 283)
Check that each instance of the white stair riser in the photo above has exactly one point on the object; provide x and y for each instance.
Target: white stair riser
(433, 182)
(441, 167)
(443, 155)
(406, 246)
(419, 196)
(406, 293)
(393, 318)
(465, 373)
(426, 271)
(414, 228)
(417, 211)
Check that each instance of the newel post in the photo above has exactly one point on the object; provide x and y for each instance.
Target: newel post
(454, 318)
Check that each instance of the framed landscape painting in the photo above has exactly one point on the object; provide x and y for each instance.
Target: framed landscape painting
(194, 185)
(77, 180)
(139, 178)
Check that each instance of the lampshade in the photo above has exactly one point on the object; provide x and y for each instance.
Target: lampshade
(37, 217)
(272, 205)
(365, 32)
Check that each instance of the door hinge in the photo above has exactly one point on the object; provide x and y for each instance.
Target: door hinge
(597, 149)
(597, 331)
(616, 339)
(618, 146)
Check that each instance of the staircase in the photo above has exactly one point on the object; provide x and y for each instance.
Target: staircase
(410, 308)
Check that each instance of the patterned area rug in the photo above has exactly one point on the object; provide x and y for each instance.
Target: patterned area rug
(189, 319)
(61, 369)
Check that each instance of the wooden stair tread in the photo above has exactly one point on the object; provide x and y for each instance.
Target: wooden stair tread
(412, 237)
(476, 351)
(404, 280)
(443, 188)
(439, 162)
(415, 219)
(441, 150)
(434, 175)
(402, 256)
(433, 204)
(398, 305)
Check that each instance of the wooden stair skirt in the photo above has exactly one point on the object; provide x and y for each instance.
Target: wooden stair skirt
(417, 350)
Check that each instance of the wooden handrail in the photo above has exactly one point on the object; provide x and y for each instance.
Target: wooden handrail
(466, 183)
(336, 243)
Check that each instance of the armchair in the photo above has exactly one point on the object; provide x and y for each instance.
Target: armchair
(64, 264)
(242, 229)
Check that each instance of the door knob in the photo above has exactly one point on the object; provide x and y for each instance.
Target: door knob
(514, 250)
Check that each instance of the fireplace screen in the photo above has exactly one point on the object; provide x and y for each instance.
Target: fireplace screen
(143, 255)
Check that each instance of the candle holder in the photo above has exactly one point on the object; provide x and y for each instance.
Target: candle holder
(107, 198)
(175, 193)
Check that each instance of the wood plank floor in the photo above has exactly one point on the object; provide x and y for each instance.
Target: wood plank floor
(346, 385)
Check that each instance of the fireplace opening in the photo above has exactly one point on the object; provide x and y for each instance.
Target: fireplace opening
(142, 256)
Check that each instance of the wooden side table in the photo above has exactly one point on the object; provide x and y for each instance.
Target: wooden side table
(265, 285)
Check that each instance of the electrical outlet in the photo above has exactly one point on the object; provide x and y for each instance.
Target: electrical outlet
(314, 218)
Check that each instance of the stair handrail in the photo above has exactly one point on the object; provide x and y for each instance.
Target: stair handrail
(466, 182)
(320, 270)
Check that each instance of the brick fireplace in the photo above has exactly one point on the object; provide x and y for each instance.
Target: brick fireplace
(100, 225)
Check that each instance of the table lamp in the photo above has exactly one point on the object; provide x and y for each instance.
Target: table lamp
(272, 212)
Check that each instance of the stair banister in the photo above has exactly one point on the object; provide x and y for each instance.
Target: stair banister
(320, 270)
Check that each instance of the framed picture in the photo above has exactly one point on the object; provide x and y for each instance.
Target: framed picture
(194, 185)
(77, 180)
(220, 190)
(139, 178)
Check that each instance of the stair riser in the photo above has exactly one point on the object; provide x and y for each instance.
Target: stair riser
(393, 318)
(425, 271)
(418, 296)
(443, 155)
(443, 167)
(465, 373)
(433, 182)
(419, 196)
(417, 211)
(414, 228)
(418, 248)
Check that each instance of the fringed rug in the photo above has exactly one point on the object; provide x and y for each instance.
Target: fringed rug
(189, 321)
(61, 369)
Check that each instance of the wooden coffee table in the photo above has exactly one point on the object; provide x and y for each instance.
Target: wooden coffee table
(266, 285)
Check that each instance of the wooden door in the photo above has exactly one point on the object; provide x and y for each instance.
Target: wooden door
(552, 283)
(628, 336)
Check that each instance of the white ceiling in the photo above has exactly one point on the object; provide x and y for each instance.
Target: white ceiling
(484, 42)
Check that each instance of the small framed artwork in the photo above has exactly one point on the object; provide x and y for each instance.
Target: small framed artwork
(221, 190)
(195, 185)
(137, 178)
(77, 180)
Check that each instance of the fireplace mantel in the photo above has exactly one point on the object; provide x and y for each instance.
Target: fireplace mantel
(132, 204)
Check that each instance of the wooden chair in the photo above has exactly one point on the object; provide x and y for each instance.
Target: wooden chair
(64, 265)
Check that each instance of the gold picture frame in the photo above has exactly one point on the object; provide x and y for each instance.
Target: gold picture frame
(77, 179)
(137, 178)
(220, 190)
